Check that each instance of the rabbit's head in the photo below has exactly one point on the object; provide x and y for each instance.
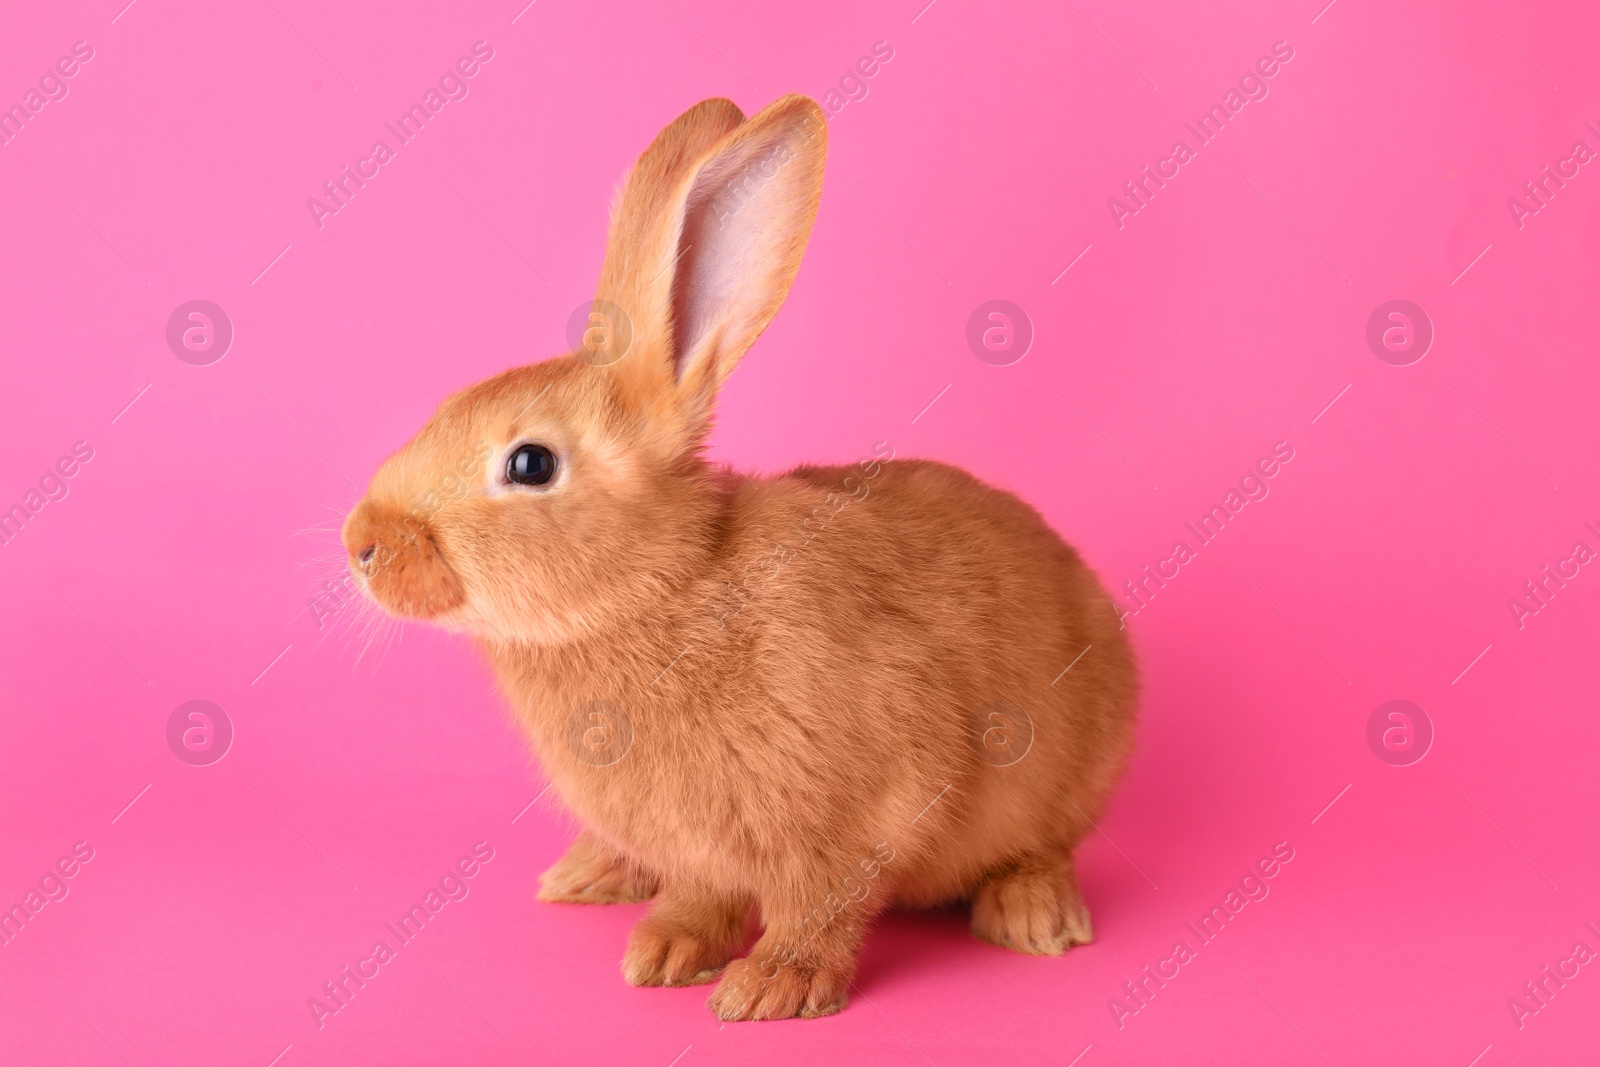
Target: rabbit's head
(555, 498)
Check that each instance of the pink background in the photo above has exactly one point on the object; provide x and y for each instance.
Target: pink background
(1222, 318)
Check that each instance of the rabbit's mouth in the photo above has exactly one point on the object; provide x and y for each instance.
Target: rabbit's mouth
(398, 560)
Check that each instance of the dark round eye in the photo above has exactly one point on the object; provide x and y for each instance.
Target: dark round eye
(531, 465)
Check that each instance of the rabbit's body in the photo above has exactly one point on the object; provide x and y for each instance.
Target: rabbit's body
(800, 704)
(799, 698)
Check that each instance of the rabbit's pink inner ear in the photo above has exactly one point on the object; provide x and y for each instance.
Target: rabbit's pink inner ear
(643, 242)
(746, 220)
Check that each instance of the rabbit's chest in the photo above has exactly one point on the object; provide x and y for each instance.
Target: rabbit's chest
(662, 818)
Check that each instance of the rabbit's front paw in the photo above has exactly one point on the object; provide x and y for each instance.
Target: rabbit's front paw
(665, 953)
(590, 873)
(759, 987)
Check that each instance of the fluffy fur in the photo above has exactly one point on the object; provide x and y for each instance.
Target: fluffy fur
(798, 672)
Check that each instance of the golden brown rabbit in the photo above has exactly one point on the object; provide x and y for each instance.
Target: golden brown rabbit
(798, 699)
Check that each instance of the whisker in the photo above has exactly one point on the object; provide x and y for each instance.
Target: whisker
(395, 633)
(316, 528)
(373, 629)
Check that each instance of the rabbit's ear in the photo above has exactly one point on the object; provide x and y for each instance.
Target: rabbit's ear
(701, 257)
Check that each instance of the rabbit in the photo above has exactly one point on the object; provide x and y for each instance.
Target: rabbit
(784, 702)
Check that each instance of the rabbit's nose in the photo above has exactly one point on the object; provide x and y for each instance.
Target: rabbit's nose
(366, 554)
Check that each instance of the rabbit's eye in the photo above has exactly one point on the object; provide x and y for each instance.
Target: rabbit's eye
(531, 465)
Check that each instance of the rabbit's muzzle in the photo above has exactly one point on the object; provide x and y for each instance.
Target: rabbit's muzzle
(397, 558)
